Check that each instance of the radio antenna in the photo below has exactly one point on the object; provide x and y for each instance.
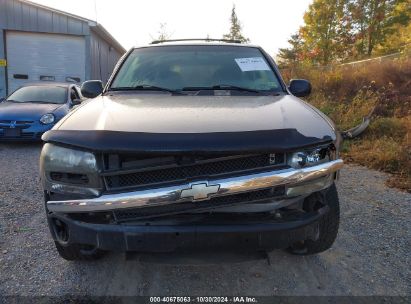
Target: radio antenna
(95, 9)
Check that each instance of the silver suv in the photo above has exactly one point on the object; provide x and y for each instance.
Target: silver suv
(192, 144)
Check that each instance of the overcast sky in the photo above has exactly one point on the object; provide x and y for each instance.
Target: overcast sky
(268, 23)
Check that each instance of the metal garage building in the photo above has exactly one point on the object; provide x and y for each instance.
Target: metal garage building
(38, 43)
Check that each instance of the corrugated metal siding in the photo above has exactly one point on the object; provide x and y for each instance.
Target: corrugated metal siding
(103, 58)
(20, 16)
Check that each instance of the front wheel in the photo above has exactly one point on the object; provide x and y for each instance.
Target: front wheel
(327, 227)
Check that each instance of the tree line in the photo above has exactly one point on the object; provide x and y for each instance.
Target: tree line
(234, 32)
(343, 30)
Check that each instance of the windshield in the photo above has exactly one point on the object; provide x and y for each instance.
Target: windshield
(191, 67)
(39, 94)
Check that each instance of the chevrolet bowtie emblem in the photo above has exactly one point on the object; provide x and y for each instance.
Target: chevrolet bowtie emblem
(199, 191)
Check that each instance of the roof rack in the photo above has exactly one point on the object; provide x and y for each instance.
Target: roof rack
(196, 39)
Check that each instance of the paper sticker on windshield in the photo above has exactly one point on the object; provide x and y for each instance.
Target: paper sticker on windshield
(252, 64)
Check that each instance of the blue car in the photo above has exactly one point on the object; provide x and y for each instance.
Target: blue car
(34, 109)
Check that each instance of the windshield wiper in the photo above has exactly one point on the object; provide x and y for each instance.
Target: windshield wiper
(40, 101)
(15, 101)
(231, 87)
(223, 87)
(28, 101)
(144, 87)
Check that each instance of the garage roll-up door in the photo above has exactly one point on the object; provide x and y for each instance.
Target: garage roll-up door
(34, 57)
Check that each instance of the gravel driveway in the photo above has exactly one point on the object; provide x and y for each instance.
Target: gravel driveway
(370, 257)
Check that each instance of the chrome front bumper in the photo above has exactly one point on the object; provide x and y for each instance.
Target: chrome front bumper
(293, 178)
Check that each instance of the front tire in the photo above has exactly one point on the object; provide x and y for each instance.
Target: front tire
(327, 227)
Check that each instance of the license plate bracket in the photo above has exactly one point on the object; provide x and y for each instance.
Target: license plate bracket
(12, 132)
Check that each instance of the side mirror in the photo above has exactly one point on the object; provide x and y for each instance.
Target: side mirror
(76, 102)
(2, 99)
(91, 88)
(300, 87)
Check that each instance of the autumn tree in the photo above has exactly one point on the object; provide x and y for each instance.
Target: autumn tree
(326, 31)
(399, 40)
(235, 32)
(390, 24)
(375, 20)
(341, 30)
(293, 54)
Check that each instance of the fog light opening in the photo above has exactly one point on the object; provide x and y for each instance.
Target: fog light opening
(61, 231)
(313, 203)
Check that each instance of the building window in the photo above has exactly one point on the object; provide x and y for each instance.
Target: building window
(20, 76)
(47, 78)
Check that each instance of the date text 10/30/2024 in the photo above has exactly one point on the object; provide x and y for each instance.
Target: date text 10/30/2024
(203, 300)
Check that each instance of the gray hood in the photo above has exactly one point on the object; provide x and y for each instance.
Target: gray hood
(158, 113)
(156, 122)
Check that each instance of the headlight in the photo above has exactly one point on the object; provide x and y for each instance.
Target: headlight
(309, 158)
(67, 170)
(47, 119)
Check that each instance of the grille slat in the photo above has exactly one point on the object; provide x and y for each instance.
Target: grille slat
(121, 179)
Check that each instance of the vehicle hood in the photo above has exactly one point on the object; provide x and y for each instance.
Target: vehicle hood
(163, 122)
(22, 111)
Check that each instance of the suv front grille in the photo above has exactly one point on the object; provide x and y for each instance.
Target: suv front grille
(168, 170)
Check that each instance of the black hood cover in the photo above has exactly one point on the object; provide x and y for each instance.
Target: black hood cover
(162, 143)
